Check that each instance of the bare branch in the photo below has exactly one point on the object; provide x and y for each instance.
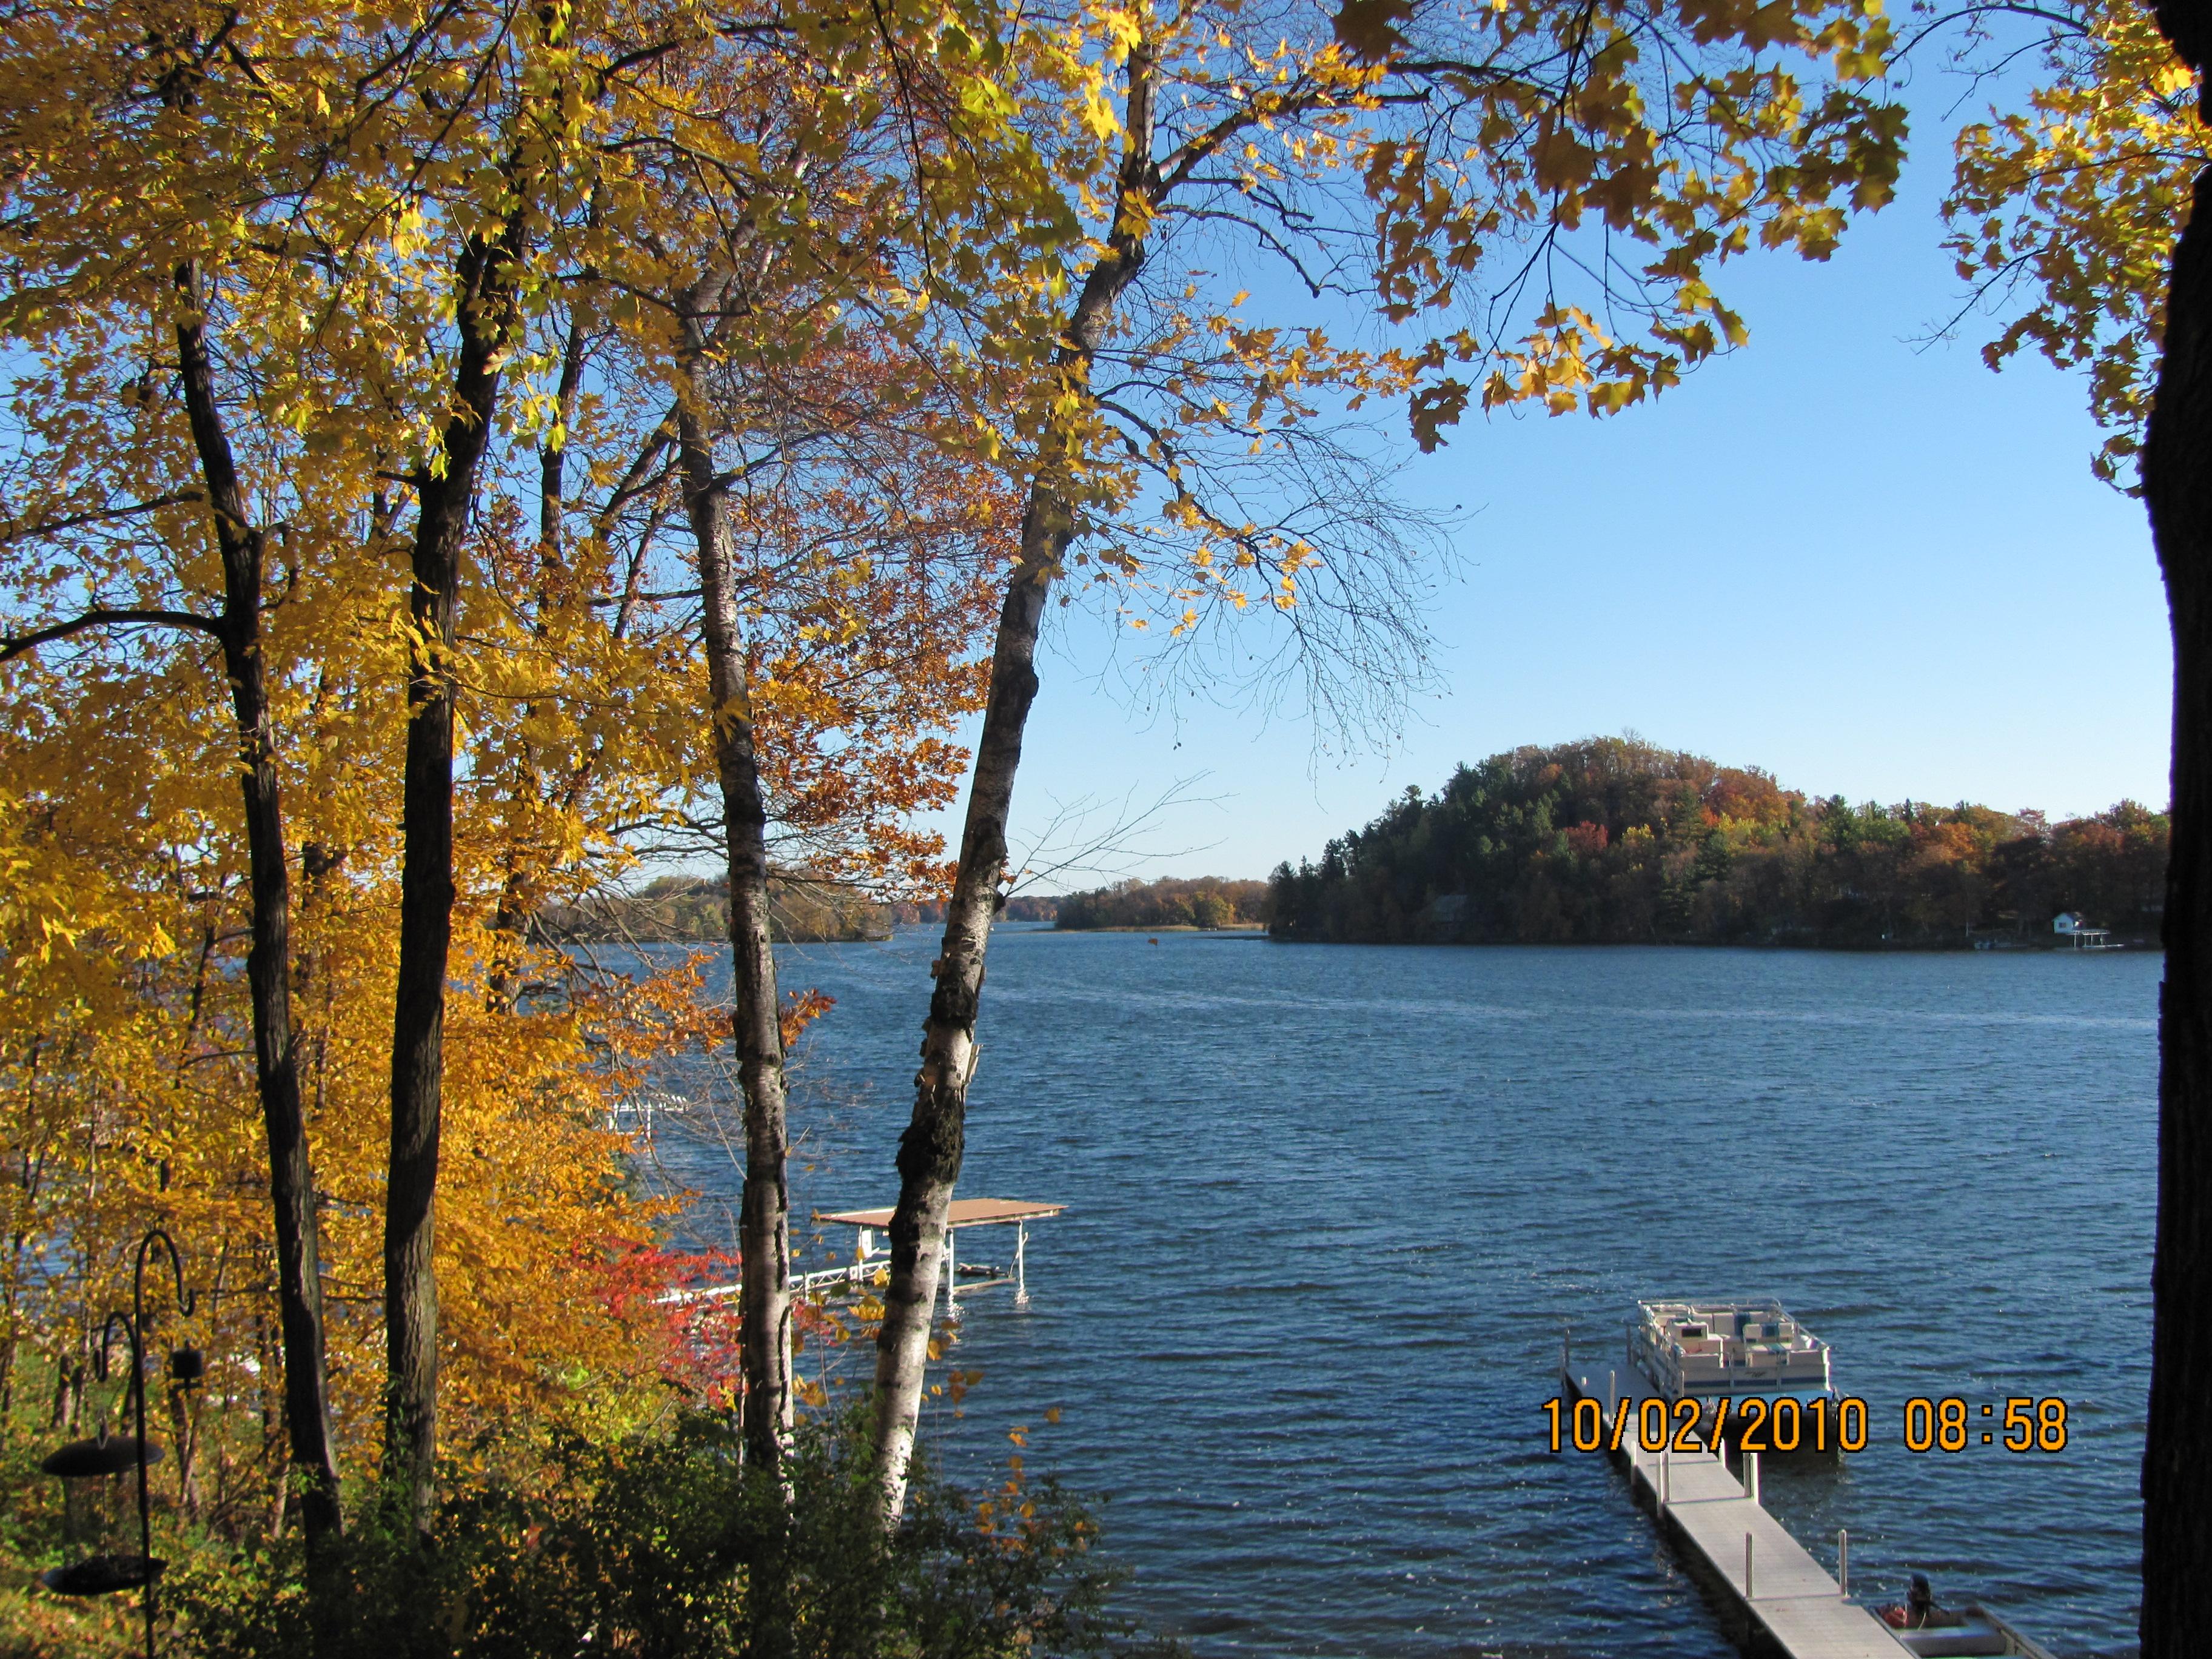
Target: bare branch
(15, 645)
(12, 532)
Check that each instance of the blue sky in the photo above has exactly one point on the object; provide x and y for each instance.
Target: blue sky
(1861, 561)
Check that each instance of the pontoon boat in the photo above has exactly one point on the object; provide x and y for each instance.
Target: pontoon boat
(1708, 1351)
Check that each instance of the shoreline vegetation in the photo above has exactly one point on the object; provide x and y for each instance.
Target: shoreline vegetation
(1606, 841)
(696, 910)
(1203, 903)
(1258, 929)
(1613, 841)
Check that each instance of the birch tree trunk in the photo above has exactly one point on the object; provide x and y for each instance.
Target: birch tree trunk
(485, 276)
(931, 1149)
(2177, 476)
(269, 959)
(764, 1215)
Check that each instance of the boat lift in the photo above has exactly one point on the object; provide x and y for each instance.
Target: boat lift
(1017, 1213)
(868, 1261)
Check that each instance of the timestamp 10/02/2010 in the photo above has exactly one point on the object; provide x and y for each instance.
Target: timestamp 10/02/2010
(1947, 1424)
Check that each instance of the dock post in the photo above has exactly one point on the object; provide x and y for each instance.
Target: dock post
(1665, 1475)
(1746, 1566)
(1844, 1560)
(1751, 1475)
(1021, 1267)
(1612, 1388)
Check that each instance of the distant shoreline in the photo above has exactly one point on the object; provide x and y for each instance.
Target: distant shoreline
(1259, 930)
(1260, 927)
(1919, 947)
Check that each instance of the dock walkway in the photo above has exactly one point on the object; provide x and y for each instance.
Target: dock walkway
(1729, 1539)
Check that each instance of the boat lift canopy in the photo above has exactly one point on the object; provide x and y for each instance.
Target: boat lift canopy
(868, 1261)
(964, 1212)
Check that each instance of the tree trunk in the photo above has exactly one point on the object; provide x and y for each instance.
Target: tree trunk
(764, 1217)
(485, 276)
(930, 1151)
(268, 963)
(2177, 484)
(183, 1430)
(2177, 477)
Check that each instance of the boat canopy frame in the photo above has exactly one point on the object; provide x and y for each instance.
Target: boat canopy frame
(963, 1212)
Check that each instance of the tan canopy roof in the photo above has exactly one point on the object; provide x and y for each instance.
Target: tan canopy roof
(966, 1213)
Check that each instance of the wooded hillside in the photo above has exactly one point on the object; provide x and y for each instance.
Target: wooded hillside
(1170, 902)
(1613, 841)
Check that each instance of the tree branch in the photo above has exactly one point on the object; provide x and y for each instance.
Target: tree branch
(15, 645)
(11, 531)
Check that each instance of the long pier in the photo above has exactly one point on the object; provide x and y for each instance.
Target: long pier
(1784, 1599)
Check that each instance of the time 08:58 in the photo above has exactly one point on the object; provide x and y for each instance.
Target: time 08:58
(1949, 1425)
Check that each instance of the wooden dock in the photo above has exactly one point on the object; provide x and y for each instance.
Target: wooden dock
(1784, 1600)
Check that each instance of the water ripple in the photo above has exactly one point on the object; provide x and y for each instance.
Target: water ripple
(1331, 1209)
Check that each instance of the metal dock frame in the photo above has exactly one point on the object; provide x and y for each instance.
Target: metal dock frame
(964, 1212)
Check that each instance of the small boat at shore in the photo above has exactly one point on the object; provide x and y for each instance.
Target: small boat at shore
(1713, 1350)
(1930, 1631)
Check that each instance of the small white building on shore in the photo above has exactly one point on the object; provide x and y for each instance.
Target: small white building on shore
(2079, 935)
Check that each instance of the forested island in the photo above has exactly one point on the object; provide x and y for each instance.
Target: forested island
(1203, 901)
(1613, 841)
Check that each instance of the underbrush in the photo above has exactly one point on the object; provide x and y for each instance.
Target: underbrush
(661, 1544)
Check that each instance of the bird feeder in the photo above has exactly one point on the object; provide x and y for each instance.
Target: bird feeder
(100, 1514)
(96, 1495)
(187, 1369)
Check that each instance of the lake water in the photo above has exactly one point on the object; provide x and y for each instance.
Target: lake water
(1330, 1208)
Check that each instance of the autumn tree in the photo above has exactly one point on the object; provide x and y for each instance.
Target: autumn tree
(126, 106)
(401, 260)
(842, 569)
(2064, 208)
(838, 575)
(793, 399)
(129, 1056)
(1489, 169)
(297, 326)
